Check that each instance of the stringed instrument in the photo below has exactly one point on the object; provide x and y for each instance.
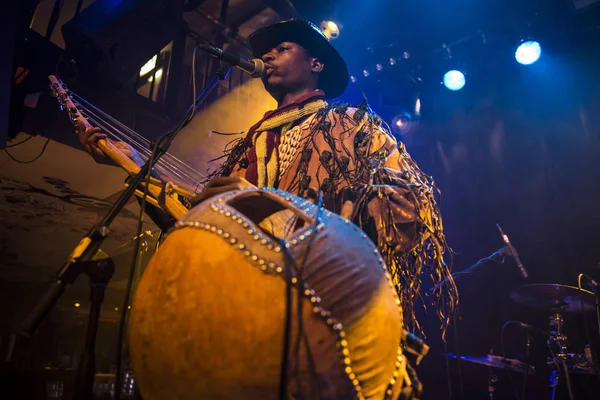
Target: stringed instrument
(183, 180)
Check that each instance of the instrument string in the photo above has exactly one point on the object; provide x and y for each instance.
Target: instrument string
(128, 132)
(164, 165)
(169, 163)
(132, 135)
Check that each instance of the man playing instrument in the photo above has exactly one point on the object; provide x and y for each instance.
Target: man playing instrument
(311, 148)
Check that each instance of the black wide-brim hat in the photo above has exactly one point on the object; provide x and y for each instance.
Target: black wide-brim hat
(334, 77)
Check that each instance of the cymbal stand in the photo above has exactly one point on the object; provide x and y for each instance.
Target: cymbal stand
(553, 383)
(492, 380)
(527, 364)
(559, 358)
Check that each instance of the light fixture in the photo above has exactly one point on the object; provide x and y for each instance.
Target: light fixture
(366, 73)
(353, 79)
(528, 52)
(77, 305)
(330, 29)
(418, 106)
(379, 67)
(402, 123)
(454, 80)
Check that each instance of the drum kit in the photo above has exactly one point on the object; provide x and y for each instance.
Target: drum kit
(556, 300)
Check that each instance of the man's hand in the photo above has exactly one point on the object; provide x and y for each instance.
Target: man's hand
(89, 139)
(221, 185)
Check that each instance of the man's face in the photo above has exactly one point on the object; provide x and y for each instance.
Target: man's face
(289, 67)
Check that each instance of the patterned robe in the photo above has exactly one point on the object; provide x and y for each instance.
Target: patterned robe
(347, 156)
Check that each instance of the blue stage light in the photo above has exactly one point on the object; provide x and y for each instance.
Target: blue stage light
(454, 80)
(528, 52)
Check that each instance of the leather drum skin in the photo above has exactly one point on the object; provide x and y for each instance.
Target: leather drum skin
(209, 315)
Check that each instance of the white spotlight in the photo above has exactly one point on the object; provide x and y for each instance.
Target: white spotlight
(528, 52)
(454, 80)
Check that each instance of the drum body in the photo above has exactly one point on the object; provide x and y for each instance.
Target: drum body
(209, 316)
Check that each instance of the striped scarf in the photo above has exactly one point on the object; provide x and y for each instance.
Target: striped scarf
(264, 137)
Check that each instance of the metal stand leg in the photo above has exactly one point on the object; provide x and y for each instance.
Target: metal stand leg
(492, 380)
(553, 383)
(560, 358)
(100, 272)
(568, 379)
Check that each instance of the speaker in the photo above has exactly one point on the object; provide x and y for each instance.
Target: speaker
(111, 39)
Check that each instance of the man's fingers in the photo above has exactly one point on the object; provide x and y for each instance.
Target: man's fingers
(124, 147)
(94, 137)
(98, 153)
(347, 210)
(91, 144)
(80, 127)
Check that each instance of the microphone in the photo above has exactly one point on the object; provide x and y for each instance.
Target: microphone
(254, 67)
(513, 253)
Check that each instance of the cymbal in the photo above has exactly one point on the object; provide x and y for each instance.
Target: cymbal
(554, 297)
(498, 362)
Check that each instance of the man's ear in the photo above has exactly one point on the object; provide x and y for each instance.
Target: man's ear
(317, 65)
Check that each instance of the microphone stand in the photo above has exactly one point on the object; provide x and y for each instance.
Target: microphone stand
(492, 257)
(82, 258)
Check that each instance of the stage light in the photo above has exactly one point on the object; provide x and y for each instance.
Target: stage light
(418, 107)
(366, 73)
(402, 123)
(330, 29)
(353, 79)
(392, 61)
(379, 67)
(454, 80)
(528, 52)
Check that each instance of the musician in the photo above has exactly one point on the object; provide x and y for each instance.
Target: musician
(346, 155)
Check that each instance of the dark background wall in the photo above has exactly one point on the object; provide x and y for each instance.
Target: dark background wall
(519, 146)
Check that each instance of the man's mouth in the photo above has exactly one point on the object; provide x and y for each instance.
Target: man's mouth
(269, 70)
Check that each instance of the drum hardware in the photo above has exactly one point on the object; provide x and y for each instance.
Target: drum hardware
(82, 258)
(497, 362)
(554, 298)
(558, 299)
(559, 358)
(492, 381)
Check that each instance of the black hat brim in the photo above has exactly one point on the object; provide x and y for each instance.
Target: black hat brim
(334, 77)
